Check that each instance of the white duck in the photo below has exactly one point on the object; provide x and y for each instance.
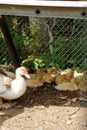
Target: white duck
(13, 88)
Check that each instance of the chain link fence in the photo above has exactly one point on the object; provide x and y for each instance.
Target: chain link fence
(5, 59)
(47, 42)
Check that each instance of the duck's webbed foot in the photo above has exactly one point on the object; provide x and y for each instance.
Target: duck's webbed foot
(7, 104)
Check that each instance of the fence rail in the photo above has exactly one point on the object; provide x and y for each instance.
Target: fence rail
(63, 9)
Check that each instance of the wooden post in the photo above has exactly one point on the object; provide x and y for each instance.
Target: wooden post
(9, 42)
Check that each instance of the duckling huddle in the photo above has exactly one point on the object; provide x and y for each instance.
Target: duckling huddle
(67, 80)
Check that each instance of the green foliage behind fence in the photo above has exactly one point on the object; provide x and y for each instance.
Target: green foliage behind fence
(51, 42)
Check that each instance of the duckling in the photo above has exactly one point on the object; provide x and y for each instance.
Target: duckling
(11, 88)
(77, 78)
(81, 80)
(83, 83)
(64, 76)
(66, 86)
(35, 82)
(66, 81)
(49, 76)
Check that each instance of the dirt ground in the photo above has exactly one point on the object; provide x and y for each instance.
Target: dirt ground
(44, 108)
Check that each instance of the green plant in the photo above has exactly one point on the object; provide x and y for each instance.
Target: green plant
(33, 63)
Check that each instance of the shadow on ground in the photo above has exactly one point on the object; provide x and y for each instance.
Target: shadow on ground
(42, 96)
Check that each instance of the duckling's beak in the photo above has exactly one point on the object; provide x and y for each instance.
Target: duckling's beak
(27, 76)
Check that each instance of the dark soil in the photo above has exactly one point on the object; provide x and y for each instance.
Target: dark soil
(45, 108)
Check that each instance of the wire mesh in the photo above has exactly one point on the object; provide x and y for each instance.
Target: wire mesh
(5, 59)
(49, 42)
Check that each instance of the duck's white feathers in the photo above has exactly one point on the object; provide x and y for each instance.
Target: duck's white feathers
(5, 80)
(11, 88)
(2, 85)
(16, 90)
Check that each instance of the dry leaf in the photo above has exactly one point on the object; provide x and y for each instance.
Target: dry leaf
(74, 99)
(70, 101)
(63, 97)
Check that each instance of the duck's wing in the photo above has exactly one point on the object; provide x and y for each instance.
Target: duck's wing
(6, 77)
(5, 83)
(10, 74)
(2, 72)
(2, 86)
(7, 73)
(2, 89)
